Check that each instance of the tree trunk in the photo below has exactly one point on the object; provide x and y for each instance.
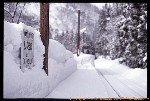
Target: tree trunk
(44, 30)
(14, 13)
(20, 14)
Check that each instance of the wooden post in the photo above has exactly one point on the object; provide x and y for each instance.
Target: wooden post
(78, 41)
(44, 31)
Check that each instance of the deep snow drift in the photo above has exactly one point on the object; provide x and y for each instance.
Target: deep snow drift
(33, 83)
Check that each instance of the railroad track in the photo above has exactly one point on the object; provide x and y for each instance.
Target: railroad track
(122, 89)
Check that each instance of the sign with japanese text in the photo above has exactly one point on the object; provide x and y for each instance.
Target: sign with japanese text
(27, 50)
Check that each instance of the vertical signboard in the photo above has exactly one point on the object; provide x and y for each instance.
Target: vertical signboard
(27, 50)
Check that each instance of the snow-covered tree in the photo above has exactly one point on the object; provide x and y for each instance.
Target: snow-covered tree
(125, 34)
(132, 34)
(101, 34)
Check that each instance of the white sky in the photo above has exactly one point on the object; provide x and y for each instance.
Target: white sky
(99, 5)
(33, 8)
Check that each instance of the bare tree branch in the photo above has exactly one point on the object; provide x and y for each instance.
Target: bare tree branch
(14, 12)
(20, 13)
(8, 12)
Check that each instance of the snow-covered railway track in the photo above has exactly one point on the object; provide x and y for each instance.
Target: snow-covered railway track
(137, 90)
(108, 82)
(122, 87)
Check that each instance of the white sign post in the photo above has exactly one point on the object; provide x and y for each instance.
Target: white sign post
(27, 50)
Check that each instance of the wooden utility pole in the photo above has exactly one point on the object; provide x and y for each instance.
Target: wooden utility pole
(78, 41)
(44, 31)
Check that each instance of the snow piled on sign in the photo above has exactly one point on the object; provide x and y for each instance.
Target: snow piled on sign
(33, 83)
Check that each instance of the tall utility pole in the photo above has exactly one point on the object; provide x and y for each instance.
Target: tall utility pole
(94, 35)
(44, 31)
(78, 41)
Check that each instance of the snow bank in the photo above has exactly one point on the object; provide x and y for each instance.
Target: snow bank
(12, 33)
(17, 84)
(84, 61)
(58, 52)
(33, 83)
(13, 40)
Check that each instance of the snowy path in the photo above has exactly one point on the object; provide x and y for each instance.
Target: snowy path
(83, 83)
(104, 83)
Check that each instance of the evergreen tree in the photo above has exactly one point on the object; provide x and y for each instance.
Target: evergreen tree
(133, 35)
(101, 40)
(125, 34)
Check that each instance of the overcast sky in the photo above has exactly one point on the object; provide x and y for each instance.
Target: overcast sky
(99, 5)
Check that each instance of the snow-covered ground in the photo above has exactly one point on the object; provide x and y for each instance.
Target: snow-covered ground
(127, 82)
(83, 83)
(108, 80)
(33, 83)
(69, 76)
